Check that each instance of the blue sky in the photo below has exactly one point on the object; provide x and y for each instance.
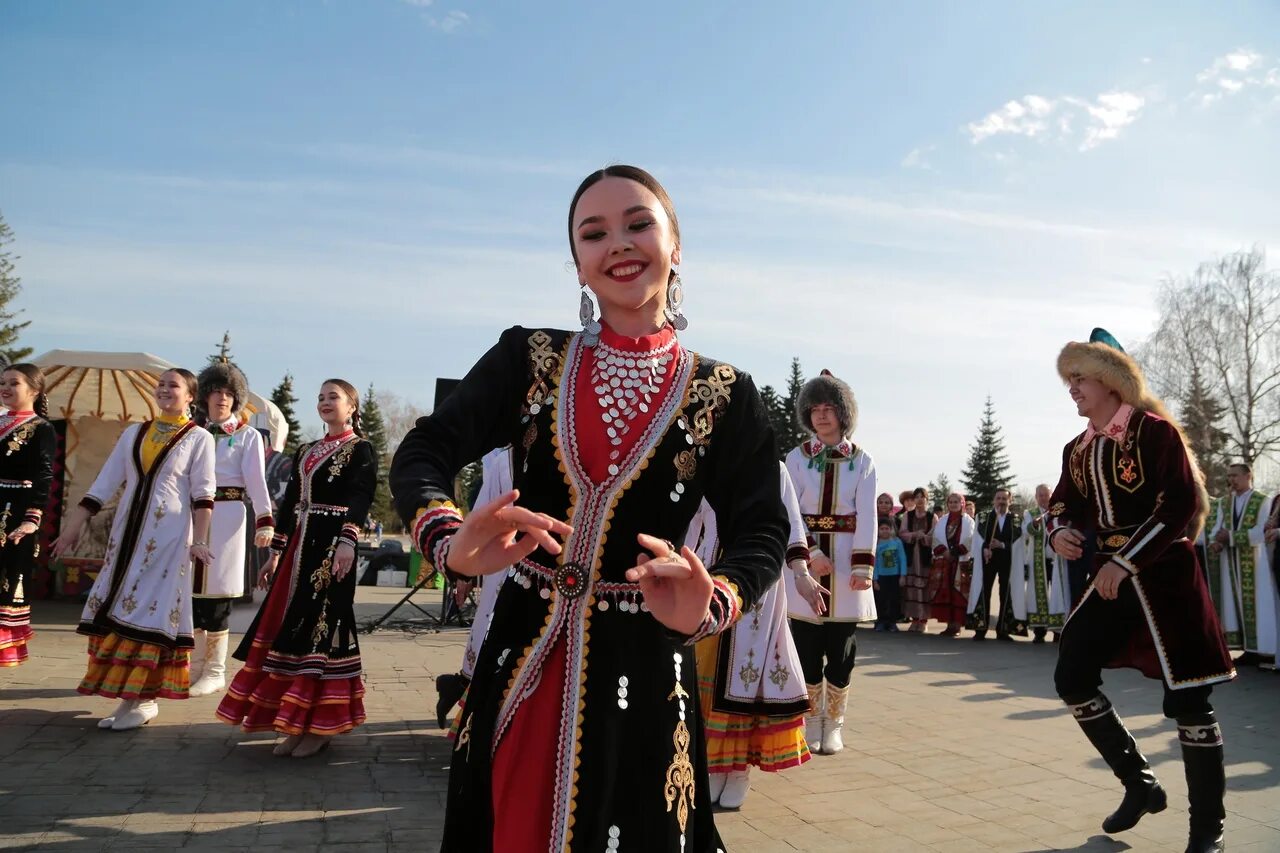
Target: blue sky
(928, 201)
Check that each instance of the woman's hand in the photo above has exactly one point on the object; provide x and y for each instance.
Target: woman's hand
(201, 554)
(487, 540)
(676, 586)
(1109, 579)
(268, 571)
(22, 531)
(72, 530)
(263, 537)
(343, 558)
(859, 584)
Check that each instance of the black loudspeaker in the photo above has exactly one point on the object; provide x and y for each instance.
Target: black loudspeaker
(444, 387)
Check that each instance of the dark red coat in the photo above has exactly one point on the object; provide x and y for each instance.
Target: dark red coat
(1136, 493)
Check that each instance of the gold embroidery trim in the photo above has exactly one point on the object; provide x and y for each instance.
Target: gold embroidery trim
(713, 393)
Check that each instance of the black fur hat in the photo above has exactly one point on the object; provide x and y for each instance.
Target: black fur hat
(223, 375)
(826, 388)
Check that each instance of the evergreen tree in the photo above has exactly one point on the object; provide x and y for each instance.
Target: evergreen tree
(10, 287)
(283, 397)
(988, 467)
(223, 354)
(939, 488)
(1201, 414)
(789, 432)
(375, 430)
(779, 418)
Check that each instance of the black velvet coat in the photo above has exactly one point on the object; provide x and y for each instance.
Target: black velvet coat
(630, 764)
(27, 448)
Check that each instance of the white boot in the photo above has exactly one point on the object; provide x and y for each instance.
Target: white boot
(215, 665)
(735, 789)
(197, 654)
(124, 706)
(813, 719)
(716, 782)
(833, 719)
(139, 715)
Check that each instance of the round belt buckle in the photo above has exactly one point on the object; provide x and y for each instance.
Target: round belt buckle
(571, 580)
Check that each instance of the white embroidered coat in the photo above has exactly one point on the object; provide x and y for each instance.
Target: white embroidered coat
(144, 589)
(239, 462)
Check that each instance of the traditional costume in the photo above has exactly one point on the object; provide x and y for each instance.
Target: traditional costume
(915, 585)
(240, 466)
(302, 660)
(618, 436)
(451, 687)
(138, 616)
(836, 486)
(26, 471)
(1136, 488)
(1045, 595)
(951, 576)
(1206, 558)
(1011, 615)
(1247, 603)
(752, 689)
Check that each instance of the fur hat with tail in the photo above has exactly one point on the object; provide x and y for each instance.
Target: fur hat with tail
(1102, 358)
(224, 375)
(827, 389)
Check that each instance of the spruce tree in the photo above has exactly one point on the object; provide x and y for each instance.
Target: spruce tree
(375, 431)
(223, 355)
(939, 488)
(790, 434)
(284, 398)
(10, 287)
(988, 467)
(780, 419)
(1201, 414)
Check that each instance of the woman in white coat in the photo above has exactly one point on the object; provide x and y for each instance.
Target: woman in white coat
(138, 616)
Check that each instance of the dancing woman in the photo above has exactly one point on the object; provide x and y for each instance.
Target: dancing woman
(26, 470)
(581, 730)
(138, 616)
(301, 675)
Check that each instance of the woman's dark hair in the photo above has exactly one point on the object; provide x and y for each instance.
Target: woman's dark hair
(35, 378)
(631, 173)
(354, 397)
(920, 492)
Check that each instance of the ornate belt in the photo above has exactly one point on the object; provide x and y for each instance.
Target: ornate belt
(305, 508)
(16, 484)
(831, 523)
(229, 493)
(571, 581)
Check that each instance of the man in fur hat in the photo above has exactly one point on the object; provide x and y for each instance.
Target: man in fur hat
(240, 467)
(835, 481)
(1130, 483)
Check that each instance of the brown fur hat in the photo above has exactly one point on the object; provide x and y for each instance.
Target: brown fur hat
(1103, 359)
(224, 375)
(826, 388)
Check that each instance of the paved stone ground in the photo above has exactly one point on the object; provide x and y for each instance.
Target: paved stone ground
(954, 746)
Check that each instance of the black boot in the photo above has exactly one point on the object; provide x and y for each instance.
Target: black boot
(1201, 741)
(1142, 791)
(450, 687)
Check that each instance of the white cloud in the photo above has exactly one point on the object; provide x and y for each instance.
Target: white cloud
(1024, 117)
(1112, 112)
(451, 22)
(915, 158)
(1038, 117)
(1233, 73)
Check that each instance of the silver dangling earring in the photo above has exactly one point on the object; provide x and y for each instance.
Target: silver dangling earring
(587, 315)
(675, 299)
